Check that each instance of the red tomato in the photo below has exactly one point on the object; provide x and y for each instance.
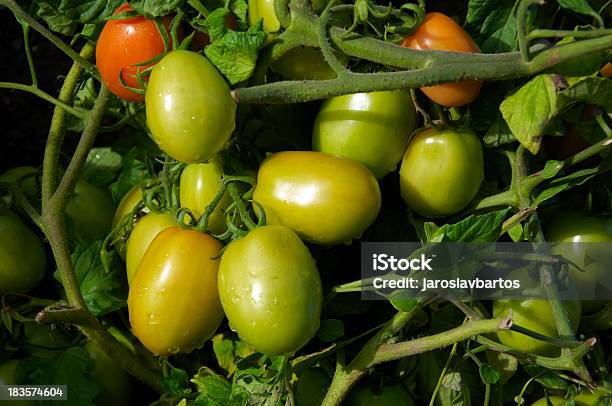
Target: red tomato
(442, 33)
(606, 70)
(123, 44)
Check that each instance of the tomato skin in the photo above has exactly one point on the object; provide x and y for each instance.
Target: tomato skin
(442, 33)
(122, 45)
(91, 210)
(311, 387)
(173, 300)
(536, 315)
(579, 228)
(141, 237)
(389, 396)
(270, 290)
(606, 70)
(554, 400)
(27, 174)
(114, 384)
(441, 171)
(7, 377)
(127, 204)
(582, 399)
(327, 199)
(23, 258)
(190, 111)
(198, 186)
(372, 128)
(263, 9)
(304, 63)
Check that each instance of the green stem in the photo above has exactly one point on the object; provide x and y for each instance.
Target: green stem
(521, 28)
(43, 95)
(326, 49)
(546, 33)
(19, 12)
(69, 316)
(57, 130)
(28, 50)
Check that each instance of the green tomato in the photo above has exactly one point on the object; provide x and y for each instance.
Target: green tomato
(23, 258)
(114, 384)
(199, 185)
(311, 387)
(536, 315)
(127, 204)
(304, 63)
(270, 290)
(394, 395)
(327, 199)
(441, 171)
(91, 210)
(372, 128)
(173, 300)
(553, 400)
(143, 233)
(190, 110)
(7, 377)
(263, 9)
(583, 399)
(26, 175)
(571, 227)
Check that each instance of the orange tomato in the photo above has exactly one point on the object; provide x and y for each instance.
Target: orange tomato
(606, 70)
(440, 32)
(122, 45)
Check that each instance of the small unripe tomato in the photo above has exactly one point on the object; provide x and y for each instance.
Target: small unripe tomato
(173, 300)
(127, 204)
(122, 45)
(199, 185)
(536, 315)
(190, 110)
(270, 290)
(23, 259)
(91, 210)
(372, 128)
(143, 233)
(441, 171)
(606, 70)
(442, 33)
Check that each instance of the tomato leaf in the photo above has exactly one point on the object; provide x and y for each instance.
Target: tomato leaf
(65, 368)
(492, 24)
(504, 363)
(228, 348)
(214, 389)
(235, 53)
(579, 6)
(592, 90)
(570, 181)
(330, 330)
(584, 66)
(132, 171)
(176, 382)
(215, 23)
(475, 228)
(155, 8)
(103, 292)
(488, 374)
(498, 134)
(101, 166)
(528, 111)
(546, 377)
(62, 16)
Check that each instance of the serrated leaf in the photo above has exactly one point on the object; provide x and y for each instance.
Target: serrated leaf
(504, 363)
(228, 349)
(103, 292)
(240, 9)
(592, 90)
(214, 389)
(528, 111)
(215, 24)
(492, 24)
(579, 6)
(488, 374)
(101, 166)
(132, 171)
(475, 228)
(235, 53)
(452, 380)
(68, 367)
(176, 382)
(62, 16)
(155, 8)
(330, 330)
(562, 184)
(498, 134)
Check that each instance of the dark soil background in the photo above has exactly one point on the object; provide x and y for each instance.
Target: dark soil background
(24, 117)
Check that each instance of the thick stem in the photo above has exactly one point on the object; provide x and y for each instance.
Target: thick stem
(19, 12)
(57, 130)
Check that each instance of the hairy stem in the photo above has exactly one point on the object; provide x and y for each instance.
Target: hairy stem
(43, 95)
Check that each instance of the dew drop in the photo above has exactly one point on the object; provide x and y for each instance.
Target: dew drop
(236, 299)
